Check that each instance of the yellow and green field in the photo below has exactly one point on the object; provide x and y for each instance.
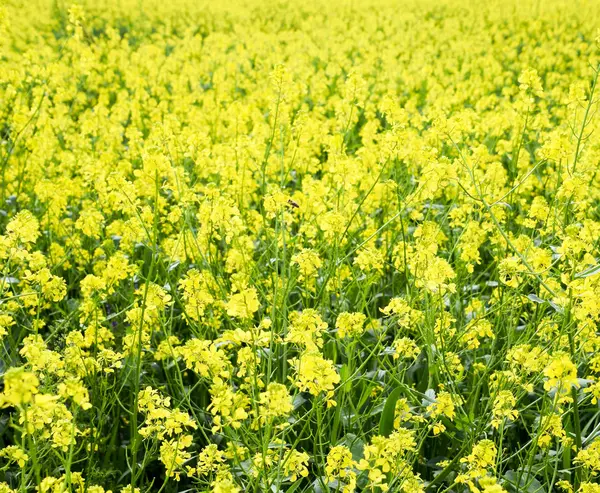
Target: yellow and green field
(299, 246)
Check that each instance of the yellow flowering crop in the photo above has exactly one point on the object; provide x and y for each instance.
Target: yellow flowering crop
(308, 246)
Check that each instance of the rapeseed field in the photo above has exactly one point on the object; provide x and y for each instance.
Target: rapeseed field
(299, 246)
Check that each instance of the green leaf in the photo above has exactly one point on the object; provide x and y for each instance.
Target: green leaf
(293, 487)
(536, 299)
(345, 378)
(595, 269)
(355, 444)
(386, 423)
(522, 481)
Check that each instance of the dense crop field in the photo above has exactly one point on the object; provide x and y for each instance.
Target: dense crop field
(299, 246)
